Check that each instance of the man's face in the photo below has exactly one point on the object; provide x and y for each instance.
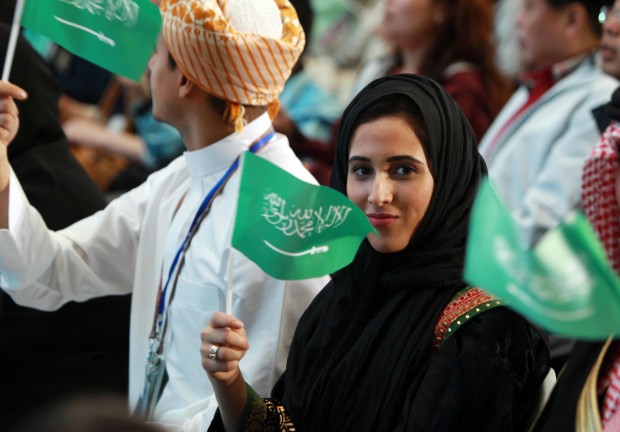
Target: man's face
(539, 34)
(163, 81)
(610, 43)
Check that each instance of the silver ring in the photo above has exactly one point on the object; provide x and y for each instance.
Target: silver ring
(213, 351)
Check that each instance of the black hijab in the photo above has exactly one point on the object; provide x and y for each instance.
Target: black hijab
(361, 349)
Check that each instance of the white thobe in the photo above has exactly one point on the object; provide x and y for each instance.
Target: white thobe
(121, 249)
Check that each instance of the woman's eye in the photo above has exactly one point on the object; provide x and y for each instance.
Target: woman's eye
(404, 170)
(360, 170)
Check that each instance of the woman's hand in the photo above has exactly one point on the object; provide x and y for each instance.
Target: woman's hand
(224, 343)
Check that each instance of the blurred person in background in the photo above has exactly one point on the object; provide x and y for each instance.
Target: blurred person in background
(145, 143)
(546, 130)
(309, 113)
(449, 41)
(587, 396)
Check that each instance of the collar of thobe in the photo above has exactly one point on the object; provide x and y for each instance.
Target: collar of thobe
(218, 156)
(551, 74)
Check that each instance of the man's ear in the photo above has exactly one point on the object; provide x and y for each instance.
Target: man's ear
(186, 86)
(575, 18)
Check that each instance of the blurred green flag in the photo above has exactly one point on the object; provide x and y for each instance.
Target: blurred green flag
(292, 229)
(117, 35)
(564, 284)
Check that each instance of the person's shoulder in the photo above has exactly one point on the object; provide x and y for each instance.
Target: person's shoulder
(595, 92)
(464, 306)
(500, 334)
(590, 79)
(280, 154)
(580, 92)
(604, 85)
(506, 330)
(465, 81)
(462, 72)
(169, 176)
(504, 319)
(492, 325)
(601, 82)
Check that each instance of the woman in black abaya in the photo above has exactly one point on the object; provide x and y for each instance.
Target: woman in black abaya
(397, 341)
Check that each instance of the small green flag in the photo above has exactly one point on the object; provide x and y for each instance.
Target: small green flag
(117, 35)
(564, 284)
(292, 229)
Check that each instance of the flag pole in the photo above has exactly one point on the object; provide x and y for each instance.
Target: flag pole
(231, 261)
(10, 52)
(229, 286)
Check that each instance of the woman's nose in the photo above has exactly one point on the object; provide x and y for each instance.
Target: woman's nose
(381, 193)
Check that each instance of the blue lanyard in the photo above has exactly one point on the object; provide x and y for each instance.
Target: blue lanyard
(200, 214)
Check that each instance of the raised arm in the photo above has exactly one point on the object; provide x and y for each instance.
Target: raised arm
(9, 124)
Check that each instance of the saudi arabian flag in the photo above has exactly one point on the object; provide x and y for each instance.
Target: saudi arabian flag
(118, 35)
(564, 284)
(292, 229)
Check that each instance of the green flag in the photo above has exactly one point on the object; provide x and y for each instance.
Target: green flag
(564, 284)
(117, 35)
(292, 229)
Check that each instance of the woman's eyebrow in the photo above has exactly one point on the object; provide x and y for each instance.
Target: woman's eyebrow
(395, 158)
(404, 158)
(358, 158)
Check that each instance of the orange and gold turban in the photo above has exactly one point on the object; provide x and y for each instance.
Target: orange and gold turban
(240, 67)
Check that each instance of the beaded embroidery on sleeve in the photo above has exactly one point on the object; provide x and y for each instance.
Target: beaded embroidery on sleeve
(465, 305)
(264, 415)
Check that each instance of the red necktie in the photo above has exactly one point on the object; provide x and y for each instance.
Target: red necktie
(538, 83)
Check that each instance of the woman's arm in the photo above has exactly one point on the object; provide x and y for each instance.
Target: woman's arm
(485, 377)
(224, 343)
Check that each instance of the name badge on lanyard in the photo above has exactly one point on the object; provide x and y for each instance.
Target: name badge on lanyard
(156, 361)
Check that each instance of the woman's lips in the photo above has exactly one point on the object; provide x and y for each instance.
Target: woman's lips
(381, 219)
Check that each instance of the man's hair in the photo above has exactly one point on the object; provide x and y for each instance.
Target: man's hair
(593, 7)
(219, 105)
(172, 64)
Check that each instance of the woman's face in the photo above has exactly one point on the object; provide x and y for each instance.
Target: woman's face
(410, 23)
(390, 180)
(610, 42)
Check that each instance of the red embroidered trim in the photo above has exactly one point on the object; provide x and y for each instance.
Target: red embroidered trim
(463, 305)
